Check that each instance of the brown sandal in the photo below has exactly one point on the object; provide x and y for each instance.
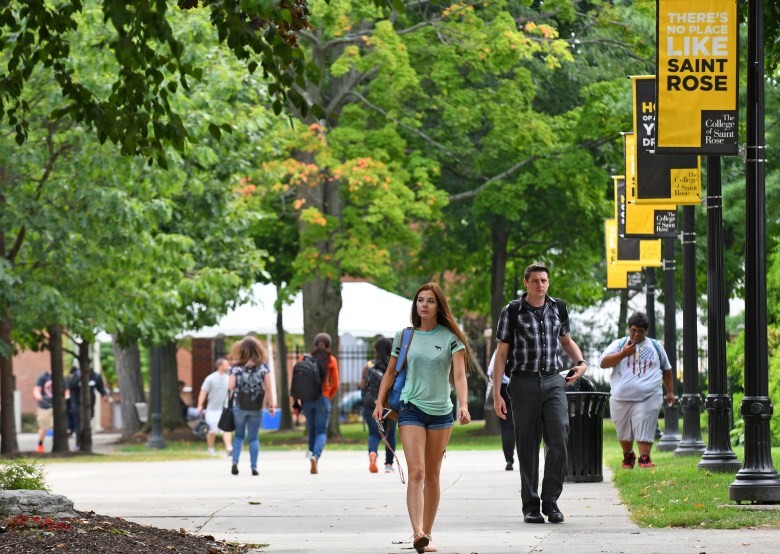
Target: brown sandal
(421, 540)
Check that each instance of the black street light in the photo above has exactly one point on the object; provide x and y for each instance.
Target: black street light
(156, 439)
(718, 456)
(691, 443)
(757, 481)
(671, 435)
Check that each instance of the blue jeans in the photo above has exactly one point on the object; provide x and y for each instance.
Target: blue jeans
(373, 434)
(247, 424)
(317, 413)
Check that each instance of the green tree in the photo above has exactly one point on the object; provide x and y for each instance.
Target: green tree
(135, 109)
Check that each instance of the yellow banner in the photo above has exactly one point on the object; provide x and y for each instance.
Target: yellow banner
(698, 77)
(660, 179)
(640, 220)
(622, 277)
(628, 251)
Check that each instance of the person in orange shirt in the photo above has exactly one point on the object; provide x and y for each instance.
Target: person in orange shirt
(317, 411)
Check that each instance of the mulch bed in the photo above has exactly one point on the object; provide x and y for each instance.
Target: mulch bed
(90, 532)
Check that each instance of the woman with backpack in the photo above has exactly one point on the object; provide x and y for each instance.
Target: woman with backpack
(250, 380)
(369, 391)
(317, 411)
(437, 356)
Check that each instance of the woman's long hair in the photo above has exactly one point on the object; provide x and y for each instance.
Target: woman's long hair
(321, 352)
(445, 318)
(383, 347)
(248, 352)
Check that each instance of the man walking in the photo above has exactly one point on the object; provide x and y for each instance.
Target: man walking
(639, 365)
(213, 393)
(42, 392)
(534, 329)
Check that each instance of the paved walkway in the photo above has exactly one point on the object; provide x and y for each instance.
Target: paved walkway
(345, 509)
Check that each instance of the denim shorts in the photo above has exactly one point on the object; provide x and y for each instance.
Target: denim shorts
(409, 414)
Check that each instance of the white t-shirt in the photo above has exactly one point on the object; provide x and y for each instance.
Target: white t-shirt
(216, 387)
(637, 377)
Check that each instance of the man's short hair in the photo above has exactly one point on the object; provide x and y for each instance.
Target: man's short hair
(638, 319)
(220, 361)
(534, 267)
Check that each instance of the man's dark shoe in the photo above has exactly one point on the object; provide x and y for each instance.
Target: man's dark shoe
(550, 509)
(533, 517)
(509, 466)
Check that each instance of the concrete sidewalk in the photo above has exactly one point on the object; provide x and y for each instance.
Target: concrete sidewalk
(345, 509)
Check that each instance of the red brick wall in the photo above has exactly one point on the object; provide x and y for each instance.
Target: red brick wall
(184, 366)
(202, 363)
(27, 368)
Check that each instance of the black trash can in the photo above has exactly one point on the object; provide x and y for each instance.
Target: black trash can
(585, 446)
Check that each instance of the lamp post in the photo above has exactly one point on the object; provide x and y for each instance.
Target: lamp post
(156, 439)
(718, 456)
(691, 442)
(757, 481)
(671, 435)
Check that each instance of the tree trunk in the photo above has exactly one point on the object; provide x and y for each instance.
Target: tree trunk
(8, 442)
(131, 384)
(321, 293)
(171, 412)
(500, 236)
(498, 272)
(283, 387)
(59, 406)
(85, 431)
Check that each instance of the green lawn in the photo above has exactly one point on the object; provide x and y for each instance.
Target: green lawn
(677, 494)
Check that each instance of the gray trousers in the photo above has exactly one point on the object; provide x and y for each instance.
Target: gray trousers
(540, 411)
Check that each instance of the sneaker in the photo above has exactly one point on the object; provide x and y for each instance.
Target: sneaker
(234, 469)
(39, 449)
(313, 460)
(212, 452)
(372, 463)
(309, 454)
(628, 460)
(255, 472)
(229, 453)
(645, 461)
(389, 468)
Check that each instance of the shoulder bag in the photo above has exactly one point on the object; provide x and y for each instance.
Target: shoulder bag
(226, 421)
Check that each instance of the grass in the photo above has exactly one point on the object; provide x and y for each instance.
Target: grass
(677, 494)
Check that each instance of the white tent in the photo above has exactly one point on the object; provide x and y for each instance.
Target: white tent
(366, 310)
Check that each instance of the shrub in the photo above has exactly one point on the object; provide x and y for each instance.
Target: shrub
(21, 475)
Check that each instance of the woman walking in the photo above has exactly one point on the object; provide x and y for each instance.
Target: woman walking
(438, 351)
(317, 411)
(370, 382)
(252, 386)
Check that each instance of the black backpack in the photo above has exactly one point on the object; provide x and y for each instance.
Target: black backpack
(250, 389)
(370, 390)
(306, 384)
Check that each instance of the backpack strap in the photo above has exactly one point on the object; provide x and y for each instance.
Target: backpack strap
(406, 342)
(563, 312)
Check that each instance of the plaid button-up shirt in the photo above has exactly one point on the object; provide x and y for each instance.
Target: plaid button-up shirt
(534, 336)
